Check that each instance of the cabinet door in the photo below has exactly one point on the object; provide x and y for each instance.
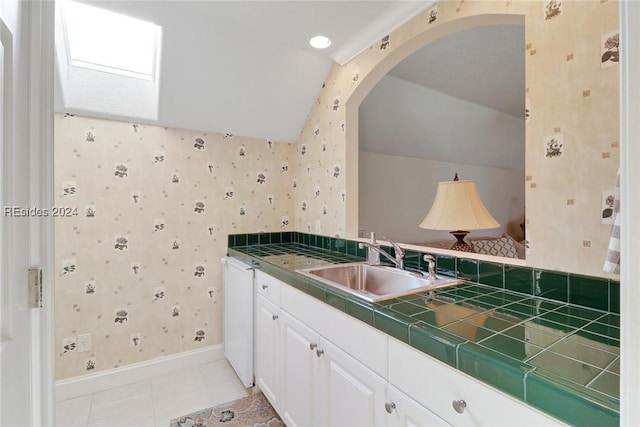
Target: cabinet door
(406, 412)
(299, 346)
(267, 351)
(351, 394)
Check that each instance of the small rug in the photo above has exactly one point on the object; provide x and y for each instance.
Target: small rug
(252, 411)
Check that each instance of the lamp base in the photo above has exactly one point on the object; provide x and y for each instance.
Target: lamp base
(460, 244)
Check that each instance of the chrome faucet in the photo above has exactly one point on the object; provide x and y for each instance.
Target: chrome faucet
(431, 260)
(374, 252)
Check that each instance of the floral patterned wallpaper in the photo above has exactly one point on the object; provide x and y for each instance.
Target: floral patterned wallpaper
(571, 116)
(138, 255)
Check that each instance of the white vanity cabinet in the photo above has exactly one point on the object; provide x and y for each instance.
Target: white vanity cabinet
(321, 367)
(309, 379)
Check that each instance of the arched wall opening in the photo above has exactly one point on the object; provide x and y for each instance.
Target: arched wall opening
(373, 78)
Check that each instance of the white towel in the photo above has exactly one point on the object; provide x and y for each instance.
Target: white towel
(612, 263)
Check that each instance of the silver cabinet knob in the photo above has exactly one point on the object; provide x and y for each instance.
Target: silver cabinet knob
(319, 352)
(274, 316)
(459, 405)
(389, 406)
(265, 286)
(312, 346)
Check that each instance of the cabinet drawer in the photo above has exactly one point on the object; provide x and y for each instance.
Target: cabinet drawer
(437, 386)
(268, 286)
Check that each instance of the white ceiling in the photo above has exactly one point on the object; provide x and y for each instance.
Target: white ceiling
(244, 67)
(460, 99)
(483, 65)
(404, 119)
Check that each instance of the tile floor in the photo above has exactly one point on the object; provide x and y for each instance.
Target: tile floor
(156, 401)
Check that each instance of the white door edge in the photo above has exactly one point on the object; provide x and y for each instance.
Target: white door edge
(41, 89)
(630, 205)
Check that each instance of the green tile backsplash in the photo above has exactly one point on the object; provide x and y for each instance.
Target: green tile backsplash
(413, 260)
(264, 238)
(589, 291)
(253, 239)
(467, 269)
(491, 274)
(446, 265)
(614, 296)
(593, 292)
(551, 284)
(519, 279)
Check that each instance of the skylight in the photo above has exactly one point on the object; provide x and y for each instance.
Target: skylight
(106, 41)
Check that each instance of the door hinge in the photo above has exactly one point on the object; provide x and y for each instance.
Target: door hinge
(35, 287)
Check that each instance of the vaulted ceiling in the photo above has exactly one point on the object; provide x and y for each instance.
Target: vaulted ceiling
(460, 99)
(246, 68)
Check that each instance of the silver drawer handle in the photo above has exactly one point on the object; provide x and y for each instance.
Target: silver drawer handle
(459, 405)
(319, 352)
(274, 316)
(312, 346)
(265, 286)
(389, 407)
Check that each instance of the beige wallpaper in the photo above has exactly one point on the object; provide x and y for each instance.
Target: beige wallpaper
(139, 267)
(572, 126)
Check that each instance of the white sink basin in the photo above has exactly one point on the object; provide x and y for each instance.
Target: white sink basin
(375, 282)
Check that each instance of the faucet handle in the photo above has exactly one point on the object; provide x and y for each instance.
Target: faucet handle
(431, 260)
(396, 247)
(372, 241)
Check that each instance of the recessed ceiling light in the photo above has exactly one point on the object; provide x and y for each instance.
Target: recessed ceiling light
(320, 42)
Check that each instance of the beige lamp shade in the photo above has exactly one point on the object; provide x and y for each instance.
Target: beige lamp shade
(457, 206)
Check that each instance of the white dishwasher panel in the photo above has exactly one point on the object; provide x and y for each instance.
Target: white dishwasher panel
(238, 318)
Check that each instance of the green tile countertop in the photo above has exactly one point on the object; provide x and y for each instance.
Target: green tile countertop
(561, 358)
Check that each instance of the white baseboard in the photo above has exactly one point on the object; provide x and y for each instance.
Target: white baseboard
(104, 380)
